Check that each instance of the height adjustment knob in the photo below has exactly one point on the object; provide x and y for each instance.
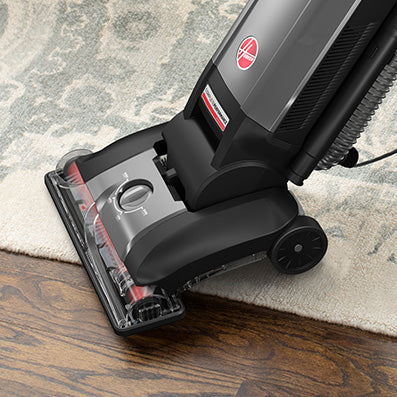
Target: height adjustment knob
(134, 197)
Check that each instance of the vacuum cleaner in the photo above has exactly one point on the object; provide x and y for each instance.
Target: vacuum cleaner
(289, 91)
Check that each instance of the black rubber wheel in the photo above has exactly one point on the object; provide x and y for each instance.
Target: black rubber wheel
(300, 247)
(147, 309)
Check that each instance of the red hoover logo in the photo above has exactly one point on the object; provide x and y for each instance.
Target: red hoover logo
(247, 53)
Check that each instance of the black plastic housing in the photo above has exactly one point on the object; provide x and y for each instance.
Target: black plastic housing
(247, 157)
(193, 243)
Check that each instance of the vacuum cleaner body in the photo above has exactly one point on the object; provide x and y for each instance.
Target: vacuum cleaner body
(162, 209)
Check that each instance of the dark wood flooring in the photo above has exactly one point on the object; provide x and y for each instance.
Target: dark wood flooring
(56, 340)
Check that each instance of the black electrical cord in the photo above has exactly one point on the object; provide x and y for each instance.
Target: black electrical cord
(376, 159)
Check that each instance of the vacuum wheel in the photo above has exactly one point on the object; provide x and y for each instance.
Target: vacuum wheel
(300, 247)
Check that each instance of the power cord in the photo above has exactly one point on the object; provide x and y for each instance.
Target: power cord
(376, 159)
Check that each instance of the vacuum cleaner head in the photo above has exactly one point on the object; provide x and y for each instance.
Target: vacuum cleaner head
(160, 210)
(128, 306)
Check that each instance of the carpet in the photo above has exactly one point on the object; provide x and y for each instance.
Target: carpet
(83, 73)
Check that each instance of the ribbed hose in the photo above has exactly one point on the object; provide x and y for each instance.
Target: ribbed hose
(360, 118)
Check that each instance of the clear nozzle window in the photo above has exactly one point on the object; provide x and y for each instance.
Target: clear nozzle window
(130, 305)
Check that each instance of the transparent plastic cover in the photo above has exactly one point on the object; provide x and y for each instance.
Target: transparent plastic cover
(130, 305)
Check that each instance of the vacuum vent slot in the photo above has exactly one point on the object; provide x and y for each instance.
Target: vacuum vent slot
(327, 79)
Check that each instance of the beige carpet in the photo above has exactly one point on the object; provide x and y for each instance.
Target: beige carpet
(84, 73)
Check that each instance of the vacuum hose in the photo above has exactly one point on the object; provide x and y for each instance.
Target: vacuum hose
(360, 118)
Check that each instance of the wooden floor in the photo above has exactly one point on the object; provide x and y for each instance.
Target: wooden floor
(56, 340)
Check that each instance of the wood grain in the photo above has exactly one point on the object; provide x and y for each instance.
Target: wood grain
(51, 320)
(59, 364)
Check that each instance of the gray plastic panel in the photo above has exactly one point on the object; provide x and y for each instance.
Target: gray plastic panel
(123, 226)
(293, 37)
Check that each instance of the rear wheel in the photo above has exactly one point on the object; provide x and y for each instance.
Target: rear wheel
(300, 247)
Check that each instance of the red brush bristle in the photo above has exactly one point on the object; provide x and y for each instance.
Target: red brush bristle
(84, 197)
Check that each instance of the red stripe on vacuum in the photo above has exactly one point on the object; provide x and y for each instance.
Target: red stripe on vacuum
(212, 111)
(134, 293)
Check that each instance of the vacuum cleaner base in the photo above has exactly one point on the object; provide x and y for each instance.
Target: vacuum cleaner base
(139, 287)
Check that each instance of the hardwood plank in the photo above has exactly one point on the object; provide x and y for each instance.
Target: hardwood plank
(240, 340)
(16, 264)
(60, 364)
(269, 388)
(11, 388)
(251, 388)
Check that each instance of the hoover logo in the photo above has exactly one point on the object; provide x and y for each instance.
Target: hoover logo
(247, 53)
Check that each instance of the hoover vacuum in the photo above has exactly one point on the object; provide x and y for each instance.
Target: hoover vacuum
(290, 89)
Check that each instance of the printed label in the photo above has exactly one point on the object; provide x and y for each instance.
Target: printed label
(215, 108)
(247, 53)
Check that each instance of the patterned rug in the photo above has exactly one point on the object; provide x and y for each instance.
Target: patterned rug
(86, 72)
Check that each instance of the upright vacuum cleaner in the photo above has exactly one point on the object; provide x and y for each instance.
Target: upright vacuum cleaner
(289, 90)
